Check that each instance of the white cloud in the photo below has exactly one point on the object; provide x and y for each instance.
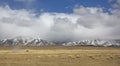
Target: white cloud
(115, 3)
(83, 23)
(87, 10)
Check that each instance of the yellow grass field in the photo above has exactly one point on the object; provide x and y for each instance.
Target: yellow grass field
(59, 56)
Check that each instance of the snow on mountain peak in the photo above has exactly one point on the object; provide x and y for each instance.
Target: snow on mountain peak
(28, 41)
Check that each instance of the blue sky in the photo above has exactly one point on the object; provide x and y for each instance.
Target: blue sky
(59, 6)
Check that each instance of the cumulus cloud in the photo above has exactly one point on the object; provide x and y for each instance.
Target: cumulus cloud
(83, 23)
(116, 3)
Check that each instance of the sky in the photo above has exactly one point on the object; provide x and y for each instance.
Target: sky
(60, 20)
(59, 6)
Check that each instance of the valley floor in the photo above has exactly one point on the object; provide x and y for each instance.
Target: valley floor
(59, 56)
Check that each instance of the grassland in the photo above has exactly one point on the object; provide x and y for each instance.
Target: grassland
(59, 56)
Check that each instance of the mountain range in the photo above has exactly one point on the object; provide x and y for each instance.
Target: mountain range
(27, 41)
(98, 42)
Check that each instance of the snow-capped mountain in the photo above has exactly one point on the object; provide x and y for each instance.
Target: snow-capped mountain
(28, 41)
(24, 41)
(105, 43)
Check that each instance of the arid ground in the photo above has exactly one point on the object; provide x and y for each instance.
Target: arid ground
(59, 56)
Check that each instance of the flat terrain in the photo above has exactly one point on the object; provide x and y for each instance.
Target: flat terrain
(59, 56)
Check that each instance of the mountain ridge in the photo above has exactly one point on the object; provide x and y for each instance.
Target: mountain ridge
(24, 42)
(97, 42)
(40, 42)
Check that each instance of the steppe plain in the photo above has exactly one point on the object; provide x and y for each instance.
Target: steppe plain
(60, 56)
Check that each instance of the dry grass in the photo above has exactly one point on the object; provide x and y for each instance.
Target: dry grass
(59, 56)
